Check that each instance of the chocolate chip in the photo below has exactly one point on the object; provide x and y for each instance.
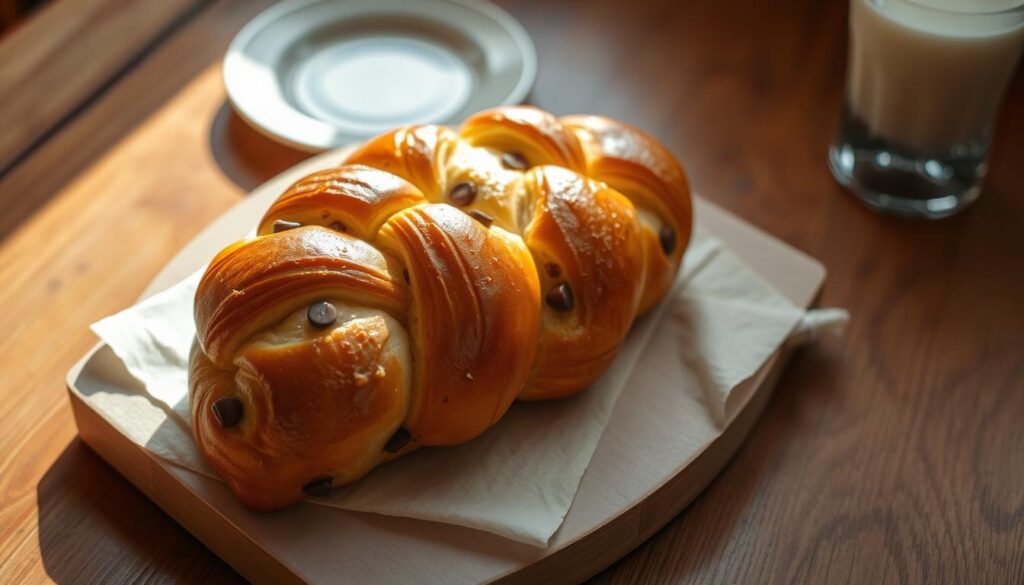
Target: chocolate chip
(228, 411)
(319, 487)
(553, 270)
(463, 194)
(405, 275)
(559, 297)
(283, 226)
(321, 314)
(514, 161)
(484, 218)
(667, 236)
(397, 441)
(338, 226)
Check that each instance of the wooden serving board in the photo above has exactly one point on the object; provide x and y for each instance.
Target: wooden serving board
(625, 496)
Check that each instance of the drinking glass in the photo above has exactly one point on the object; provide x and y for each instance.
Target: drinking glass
(924, 81)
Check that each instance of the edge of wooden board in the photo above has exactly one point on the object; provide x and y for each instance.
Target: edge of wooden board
(577, 560)
(795, 274)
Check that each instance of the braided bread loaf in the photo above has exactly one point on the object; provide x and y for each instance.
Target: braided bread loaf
(408, 296)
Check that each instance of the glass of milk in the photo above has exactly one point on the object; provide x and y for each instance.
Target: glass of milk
(924, 81)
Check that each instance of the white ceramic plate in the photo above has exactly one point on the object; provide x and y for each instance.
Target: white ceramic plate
(316, 74)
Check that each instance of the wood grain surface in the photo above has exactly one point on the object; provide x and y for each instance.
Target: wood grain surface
(64, 56)
(892, 455)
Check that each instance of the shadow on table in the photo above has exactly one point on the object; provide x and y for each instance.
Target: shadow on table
(245, 156)
(95, 527)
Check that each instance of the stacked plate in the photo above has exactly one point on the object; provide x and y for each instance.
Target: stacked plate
(317, 74)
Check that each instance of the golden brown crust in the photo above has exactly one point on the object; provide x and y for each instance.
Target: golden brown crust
(535, 134)
(252, 285)
(445, 274)
(473, 319)
(297, 422)
(355, 199)
(414, 153)
(635, 164)
(587, 236)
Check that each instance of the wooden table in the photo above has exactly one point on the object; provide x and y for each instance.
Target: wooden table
(893, 454)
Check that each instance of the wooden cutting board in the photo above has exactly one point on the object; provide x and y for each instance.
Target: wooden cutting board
(625, 496)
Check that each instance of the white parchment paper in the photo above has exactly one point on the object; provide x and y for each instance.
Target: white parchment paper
(519, 478)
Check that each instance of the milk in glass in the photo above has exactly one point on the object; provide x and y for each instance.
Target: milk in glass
(924, 81)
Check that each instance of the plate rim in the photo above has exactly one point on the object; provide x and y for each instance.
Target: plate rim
(520, 37)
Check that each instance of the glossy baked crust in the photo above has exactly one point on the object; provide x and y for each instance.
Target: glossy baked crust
(463, 270)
